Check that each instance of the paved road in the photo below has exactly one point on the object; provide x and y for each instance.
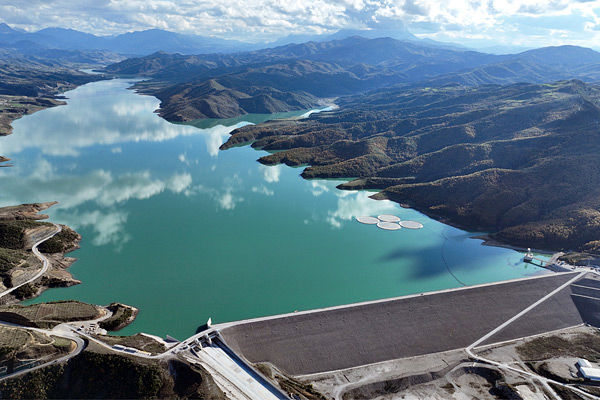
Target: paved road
(544, 381)
(231, 377)
(56, 331)
(41, 257)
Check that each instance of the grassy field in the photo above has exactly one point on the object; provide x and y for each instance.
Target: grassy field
(9, 261)
(13, 337)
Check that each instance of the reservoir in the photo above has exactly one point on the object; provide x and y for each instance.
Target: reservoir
(185, 232)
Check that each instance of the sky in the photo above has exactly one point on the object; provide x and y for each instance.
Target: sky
(485, 23)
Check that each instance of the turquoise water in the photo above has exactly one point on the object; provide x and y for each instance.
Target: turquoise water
(185, 232)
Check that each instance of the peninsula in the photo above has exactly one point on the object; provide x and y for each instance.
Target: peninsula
(516, 160)
(454, 134)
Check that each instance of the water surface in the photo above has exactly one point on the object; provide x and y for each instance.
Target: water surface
(185, 232)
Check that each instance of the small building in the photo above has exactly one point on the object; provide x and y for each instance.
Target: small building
(583, 363)
(588, 371)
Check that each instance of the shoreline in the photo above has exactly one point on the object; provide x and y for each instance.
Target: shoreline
(380, 193)
(52, 252)
(488, 239)
(31, 105)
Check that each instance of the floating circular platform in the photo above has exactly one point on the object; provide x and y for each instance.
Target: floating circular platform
(367, 220)
(389, 226)
(388, 218)
(411, 224)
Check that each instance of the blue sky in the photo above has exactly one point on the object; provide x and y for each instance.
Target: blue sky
(526, 23)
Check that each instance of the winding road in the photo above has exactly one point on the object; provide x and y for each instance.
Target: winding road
(56, 331)
(41, 257)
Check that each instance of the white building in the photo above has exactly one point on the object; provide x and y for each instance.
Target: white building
(587, 370)
(583, 363)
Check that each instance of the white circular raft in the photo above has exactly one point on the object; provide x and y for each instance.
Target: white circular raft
(411, 224)
(388, 218)
(388, 226)
(367, 220)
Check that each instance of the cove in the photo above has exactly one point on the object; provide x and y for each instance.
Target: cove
(185, 232)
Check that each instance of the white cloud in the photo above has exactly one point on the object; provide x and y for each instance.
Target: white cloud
(531, 23)
(255, 20)
(179, 182)
(99, 190)
(43, 171)
(225, 197)
(214, 141)
(227, 201)
(102, 188)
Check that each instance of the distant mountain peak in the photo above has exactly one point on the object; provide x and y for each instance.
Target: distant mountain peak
(4, 28)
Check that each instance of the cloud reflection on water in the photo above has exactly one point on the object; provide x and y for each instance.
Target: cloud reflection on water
(105, 114)
(355, 203)
(92, 119)
(100, 189)
(271, 174)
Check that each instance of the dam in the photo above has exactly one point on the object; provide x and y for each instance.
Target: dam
(355, 335)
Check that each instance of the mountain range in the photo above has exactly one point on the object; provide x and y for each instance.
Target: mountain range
(216, 85)
(130, 43)
(502, 143)
(144, 42)
(138, 43)
(505, 143)
(518, 160)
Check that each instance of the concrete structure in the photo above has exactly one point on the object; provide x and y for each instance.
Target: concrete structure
(389, 226)
(367, 220)
(237, 379)
(343, 337)
(583, 363)
(588, 371)
(593, 374)
(411, 224)
(388, 218)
